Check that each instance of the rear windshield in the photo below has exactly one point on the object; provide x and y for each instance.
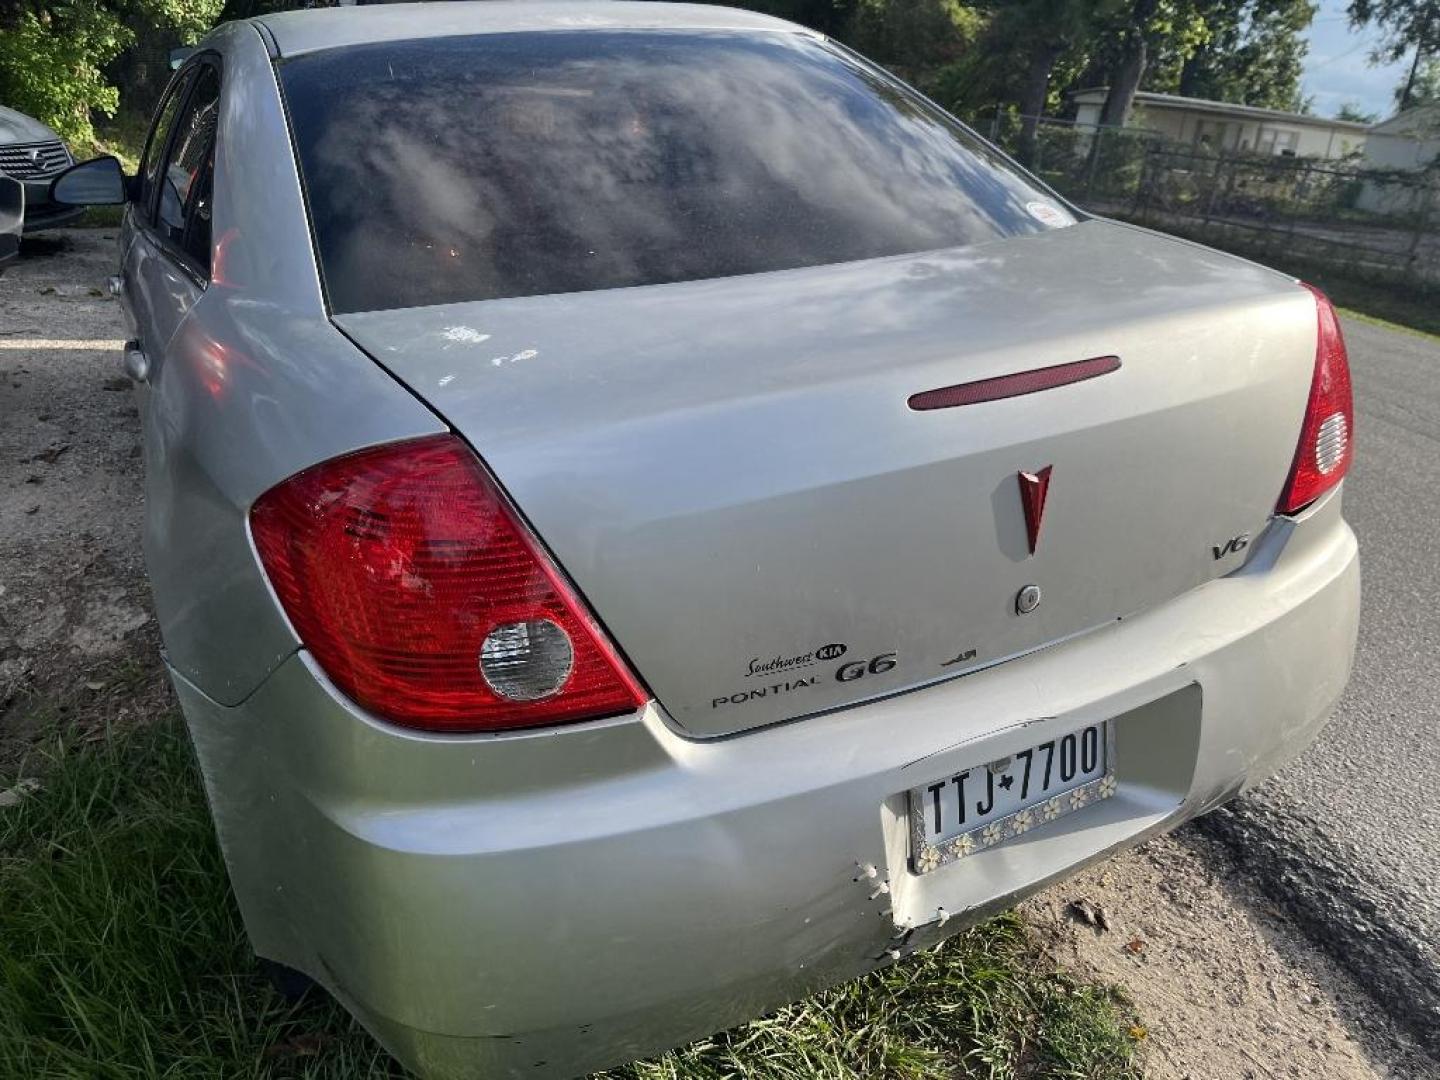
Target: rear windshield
(471, 168)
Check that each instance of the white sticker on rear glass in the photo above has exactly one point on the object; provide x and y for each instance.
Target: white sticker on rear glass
(1047, 214)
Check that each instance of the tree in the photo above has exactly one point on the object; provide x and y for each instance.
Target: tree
(914, 37)
(1406, 25)
(1422, 87)
(1250, 54)
(828, 16)
(1025, 42)
(1351, 111)
(54, 53)
(50, 61)
(1147, 46)
(1243, 51)
(1133, 58)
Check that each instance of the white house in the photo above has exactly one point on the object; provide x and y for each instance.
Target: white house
(1407, 142)
(1226, 127)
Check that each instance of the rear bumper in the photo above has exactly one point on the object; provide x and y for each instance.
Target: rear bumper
(549, 903)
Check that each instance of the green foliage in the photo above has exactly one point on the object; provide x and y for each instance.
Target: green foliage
(51, 60)
(124, 955)
(54, 53)
(973, 1007)
(1406, 25)
(123, 136)
(1353, 112)
(1249, 54)
(1025, 56)
(1425, 89)
(188, 20)
(914, 37)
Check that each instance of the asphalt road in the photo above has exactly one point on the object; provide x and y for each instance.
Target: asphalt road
(1347, 838)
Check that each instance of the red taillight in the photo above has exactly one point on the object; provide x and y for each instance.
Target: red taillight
(426, 600)
(1327, 437)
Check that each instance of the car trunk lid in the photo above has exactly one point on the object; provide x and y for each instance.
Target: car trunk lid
(732, 473)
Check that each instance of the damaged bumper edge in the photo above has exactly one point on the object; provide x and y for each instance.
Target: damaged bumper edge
(552, 902)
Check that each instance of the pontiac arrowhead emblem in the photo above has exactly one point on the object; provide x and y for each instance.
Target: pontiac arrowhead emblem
(1033, 488)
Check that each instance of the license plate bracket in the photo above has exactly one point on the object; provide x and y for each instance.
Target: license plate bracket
(989, 804)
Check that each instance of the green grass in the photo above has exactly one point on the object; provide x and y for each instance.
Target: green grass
(1374, 320)
(101, 217)
(982, 1005)
(123, 957)
(122, 135)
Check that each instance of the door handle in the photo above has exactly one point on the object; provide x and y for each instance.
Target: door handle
(135, 362)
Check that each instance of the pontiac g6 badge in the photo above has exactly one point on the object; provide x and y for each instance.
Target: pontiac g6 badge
(1033, 488)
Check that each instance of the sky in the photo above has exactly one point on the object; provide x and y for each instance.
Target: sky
(1337, 67)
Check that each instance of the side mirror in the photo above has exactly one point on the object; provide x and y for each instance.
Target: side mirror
(12, 217)
(98, 182)
(179, 56)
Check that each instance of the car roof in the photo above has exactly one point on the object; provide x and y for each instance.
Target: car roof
(297, 32)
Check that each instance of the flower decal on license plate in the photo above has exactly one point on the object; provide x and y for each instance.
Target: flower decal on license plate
(988, 805)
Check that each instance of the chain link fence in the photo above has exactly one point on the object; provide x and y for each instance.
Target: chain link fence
(1098, 167)
(1373, 225)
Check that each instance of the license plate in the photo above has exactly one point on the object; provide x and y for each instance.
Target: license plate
(985, 805)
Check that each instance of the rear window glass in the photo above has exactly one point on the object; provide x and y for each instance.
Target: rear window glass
(471, 168)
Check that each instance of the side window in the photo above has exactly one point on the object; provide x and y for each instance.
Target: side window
(155, 145)
(197, 222)
(185, 174)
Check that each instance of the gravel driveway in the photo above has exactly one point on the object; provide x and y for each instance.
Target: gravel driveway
(1233, 982)
(72, 591)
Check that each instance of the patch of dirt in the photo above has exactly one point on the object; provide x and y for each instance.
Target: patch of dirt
(1226, 987)
(74, 606)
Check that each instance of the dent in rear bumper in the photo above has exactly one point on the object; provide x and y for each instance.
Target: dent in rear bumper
(579, 896)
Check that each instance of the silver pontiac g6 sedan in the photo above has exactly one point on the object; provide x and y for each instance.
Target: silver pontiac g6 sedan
(650, 517)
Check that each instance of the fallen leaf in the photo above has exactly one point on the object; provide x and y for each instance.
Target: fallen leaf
(1135, 946)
